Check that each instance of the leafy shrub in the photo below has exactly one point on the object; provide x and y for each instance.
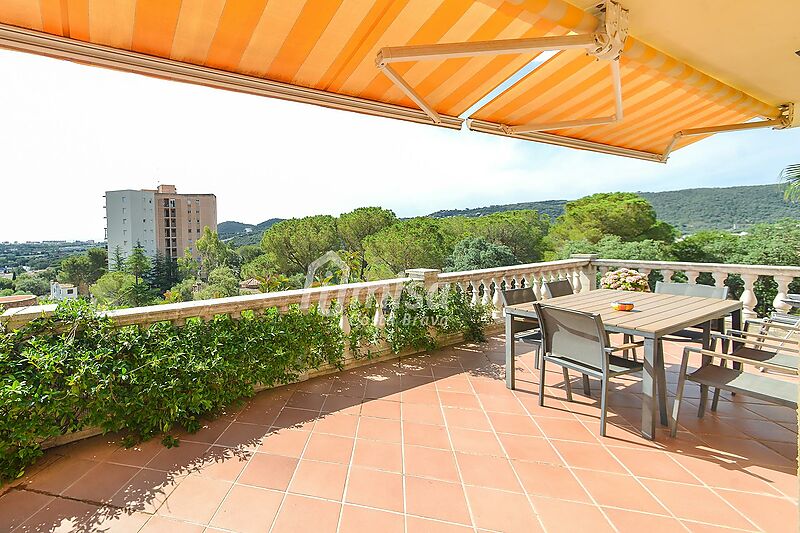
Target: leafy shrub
(76, 369)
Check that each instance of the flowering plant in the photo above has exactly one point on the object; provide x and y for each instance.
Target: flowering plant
(625, 279)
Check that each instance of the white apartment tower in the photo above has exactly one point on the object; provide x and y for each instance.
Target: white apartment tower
(161, 220)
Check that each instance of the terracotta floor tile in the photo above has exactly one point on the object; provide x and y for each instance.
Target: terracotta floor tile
(719, 471)
(375, 488)
(431, 462)
(465, 418)
(299, 513)
(360, 520)
(324, 480)
(16, 506)
(93, 449)
(487, 471)
(248, 510)
(633, 522)
(506, 403)
(478, 442)
(296, 418)
(186, 457)
(425, 435)
(424, 525)
(382, 429)
(423, 413)
(224, 463)
(617, 490)
(63, 515)
(322, 447)
(784, 481)
(146, 491)
(767, 512)
(459, 399)
(209, 431)
(101, 483)
(195, 499)
(379, 455)
(342, 403)
(745, 448)
(288, 442)
(436, 499)
(565, 430)
(516, 424)
(160, 524)
(61, 474)
(384, 389)
(307, 400)
(269, 471)
(337, 424)
(420, 396)
(320, 385)
(549, 480)
(587, 455)
(262, 409)
(138, 455)
(116, 521)
(381, 409)
(527, 448)
(652, 464)
(502, 511)
(563, 516)
(696, 503)
(244, 436)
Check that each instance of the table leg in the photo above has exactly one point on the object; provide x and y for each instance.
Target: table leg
(661, 383)
(706, 360)
(510, 366)
(648, 390)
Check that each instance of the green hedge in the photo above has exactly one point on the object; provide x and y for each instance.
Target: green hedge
(76, 370)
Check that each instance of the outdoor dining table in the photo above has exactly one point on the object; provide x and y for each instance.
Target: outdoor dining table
(654, 317)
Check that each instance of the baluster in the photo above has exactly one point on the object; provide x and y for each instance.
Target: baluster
(667, 275)
(475, 289)
(379, 320)
(719, 278)
(536, 285)
(783, 289)
(485, 300)
(748, 297)
(691, 276)
(576, 280)
(344, 321)
(497, 303)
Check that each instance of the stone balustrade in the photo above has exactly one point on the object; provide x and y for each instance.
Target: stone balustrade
(783, 276)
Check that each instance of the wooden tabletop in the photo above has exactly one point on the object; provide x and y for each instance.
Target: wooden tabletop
(654, 315)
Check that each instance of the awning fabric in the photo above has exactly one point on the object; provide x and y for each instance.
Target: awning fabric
(324, 51)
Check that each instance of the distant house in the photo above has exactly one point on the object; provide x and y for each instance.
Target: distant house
(17, 300)
(250, 285)
(63, 291)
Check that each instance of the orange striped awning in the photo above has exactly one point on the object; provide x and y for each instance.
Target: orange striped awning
(324, 52)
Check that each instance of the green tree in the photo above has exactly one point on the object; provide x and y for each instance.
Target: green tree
(474, 253)
(354, 227)
(626, 215)
(138, 264)
(213, 252)
(183, 291)
(117, 260)
(522, 231)
(414, 243)
(298, 242)
(163, 273)
(114, 289)
(84, 269)
(709, 247)
(222, 282)
(249, 252)
(32, 284)
(790, 176)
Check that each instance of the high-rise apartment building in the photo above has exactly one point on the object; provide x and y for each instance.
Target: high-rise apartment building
(161, 220)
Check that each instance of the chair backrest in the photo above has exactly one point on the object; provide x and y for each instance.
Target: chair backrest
(691, 289)
(517, 296)
(561, 287)
(573, 335)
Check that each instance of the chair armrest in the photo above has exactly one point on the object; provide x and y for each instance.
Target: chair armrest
(761, 336)
(744, 360)
(626, 346)
(767, 324)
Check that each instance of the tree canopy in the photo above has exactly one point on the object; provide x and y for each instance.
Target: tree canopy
(474, 253)
(298, 242)
(413, 243)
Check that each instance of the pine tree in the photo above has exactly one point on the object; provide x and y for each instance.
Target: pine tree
(118, 260)
(138, 263)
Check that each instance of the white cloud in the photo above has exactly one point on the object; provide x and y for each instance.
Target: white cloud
(72, 132)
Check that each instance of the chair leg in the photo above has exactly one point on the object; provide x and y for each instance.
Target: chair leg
(541, 381)
(715, 397)
(676, 406)
(603, 405)
(626, 338)
(567, 384)
(536, 355)
(587, 390)
(703, 399)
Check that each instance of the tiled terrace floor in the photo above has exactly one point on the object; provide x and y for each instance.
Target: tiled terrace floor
(429, 444)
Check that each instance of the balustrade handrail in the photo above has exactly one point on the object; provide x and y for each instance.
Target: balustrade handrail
(231, 305)
(732, 268)
(508, 271)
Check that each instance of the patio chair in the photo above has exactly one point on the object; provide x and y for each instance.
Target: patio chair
(560, 287)
(578, 341)
(736, 380)
(695, 333)
(525, 330)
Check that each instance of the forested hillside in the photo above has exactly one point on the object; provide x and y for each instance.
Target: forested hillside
(689, 210)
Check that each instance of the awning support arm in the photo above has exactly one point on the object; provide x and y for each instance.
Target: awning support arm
(784, 121)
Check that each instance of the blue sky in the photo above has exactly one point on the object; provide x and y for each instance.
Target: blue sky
(72, 132)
